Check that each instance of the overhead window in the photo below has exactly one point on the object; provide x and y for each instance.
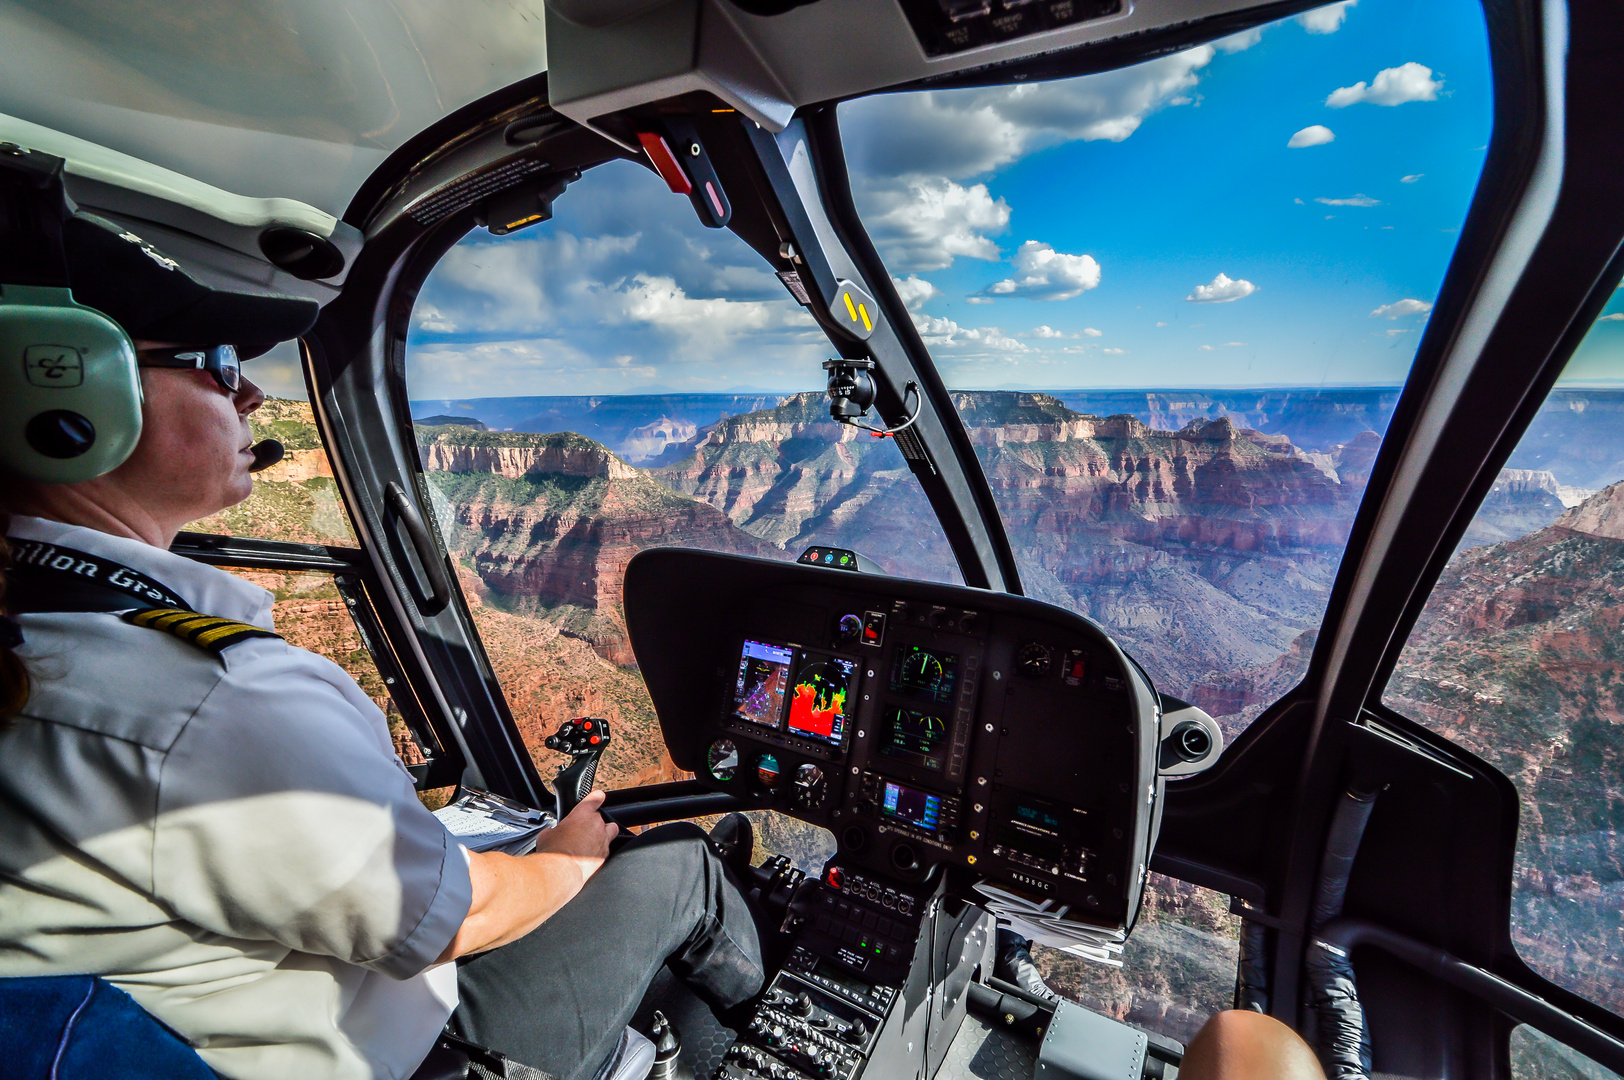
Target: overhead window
(1518, 657)
(616, 379)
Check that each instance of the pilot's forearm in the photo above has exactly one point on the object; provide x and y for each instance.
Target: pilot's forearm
(514, 895)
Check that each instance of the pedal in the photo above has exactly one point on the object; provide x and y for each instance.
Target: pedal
(584, 739)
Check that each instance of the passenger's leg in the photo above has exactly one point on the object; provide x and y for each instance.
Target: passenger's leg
(1238, 1045)
(559, 997)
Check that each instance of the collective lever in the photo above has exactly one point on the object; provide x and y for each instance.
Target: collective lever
(584, 739)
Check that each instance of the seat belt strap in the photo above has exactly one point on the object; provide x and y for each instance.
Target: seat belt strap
(45, 578)
(49, 577)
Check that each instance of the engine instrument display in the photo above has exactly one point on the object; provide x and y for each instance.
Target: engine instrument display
(925, 675)
(820, 697)
(759, 693)
(910, 805)
(914, 737)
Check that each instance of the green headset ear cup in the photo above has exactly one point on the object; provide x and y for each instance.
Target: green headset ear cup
(70, 391)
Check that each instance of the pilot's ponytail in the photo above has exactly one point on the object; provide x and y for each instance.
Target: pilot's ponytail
(13, 675)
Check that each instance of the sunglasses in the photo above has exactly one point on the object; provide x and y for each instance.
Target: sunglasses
(218, 360)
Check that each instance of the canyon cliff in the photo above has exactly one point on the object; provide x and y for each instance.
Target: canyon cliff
(549, 522)
(1517, 657)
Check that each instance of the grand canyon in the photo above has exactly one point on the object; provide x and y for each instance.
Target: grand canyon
(1202, 528)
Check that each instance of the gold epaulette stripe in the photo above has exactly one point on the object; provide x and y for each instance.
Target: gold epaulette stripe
(207, 632)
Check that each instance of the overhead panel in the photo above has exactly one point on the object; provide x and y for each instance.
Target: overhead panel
(298, 99)
(768, 66)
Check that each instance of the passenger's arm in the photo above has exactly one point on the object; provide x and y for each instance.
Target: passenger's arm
(514, 895)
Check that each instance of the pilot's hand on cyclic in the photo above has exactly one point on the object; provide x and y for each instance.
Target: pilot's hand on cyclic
(584, 835)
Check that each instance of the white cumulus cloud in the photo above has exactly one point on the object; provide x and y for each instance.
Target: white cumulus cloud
(1327, 19)
(1617, 316)
(912, 156)
(1412, 178)
(1048, 332)
(1047, 274)
(940, 332)
(1089, 331)
(1114, 352)
(925, 223)
(1400, 309)
(914, 291)
(1222, 290)
(1240, 42)
(1391, 86)
(1313, 135)
(964, 133)
(430, 318)
(1356, 200)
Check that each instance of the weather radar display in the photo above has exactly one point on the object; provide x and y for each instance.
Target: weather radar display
(818, 700)
(758, 696)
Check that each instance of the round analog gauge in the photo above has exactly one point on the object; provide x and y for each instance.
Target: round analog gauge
(723, 760)
(1034, 659)
(767, 771)
(810, 786)
(922, 669)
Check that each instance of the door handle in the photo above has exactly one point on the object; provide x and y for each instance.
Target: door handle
(428, 555)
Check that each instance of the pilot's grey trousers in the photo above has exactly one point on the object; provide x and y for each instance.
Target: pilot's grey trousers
(559, 997)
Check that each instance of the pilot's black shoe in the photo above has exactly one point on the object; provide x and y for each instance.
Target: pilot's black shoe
(1014, 965)
(735, 841)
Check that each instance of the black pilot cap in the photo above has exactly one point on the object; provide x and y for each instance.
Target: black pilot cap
(152, 296)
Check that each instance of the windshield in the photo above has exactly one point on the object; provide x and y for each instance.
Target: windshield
(616, 379)
(1178, 301)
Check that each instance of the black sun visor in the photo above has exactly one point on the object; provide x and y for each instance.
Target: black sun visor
(152, 296)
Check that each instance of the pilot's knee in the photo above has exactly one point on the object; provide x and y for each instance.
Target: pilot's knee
(1240, 1045)
(668, 844)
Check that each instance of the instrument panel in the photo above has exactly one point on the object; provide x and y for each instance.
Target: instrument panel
(921, 724)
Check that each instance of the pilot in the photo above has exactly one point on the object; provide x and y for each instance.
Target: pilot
(215, 822)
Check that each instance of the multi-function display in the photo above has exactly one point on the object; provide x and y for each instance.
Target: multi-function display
(820, 698)
(911, 805)
(759, 693)
(914, 737)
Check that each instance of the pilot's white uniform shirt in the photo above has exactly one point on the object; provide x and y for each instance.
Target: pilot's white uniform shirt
(230, 839)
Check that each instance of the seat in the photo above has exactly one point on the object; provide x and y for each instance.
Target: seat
(80, 1027)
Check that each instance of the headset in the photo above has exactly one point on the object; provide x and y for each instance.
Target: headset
(70, 391)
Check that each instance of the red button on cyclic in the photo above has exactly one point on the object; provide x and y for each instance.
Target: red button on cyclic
(593, 740)
(586, 725)
(833, 877)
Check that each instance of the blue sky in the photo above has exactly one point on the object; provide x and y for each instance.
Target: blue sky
(1153, 226)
